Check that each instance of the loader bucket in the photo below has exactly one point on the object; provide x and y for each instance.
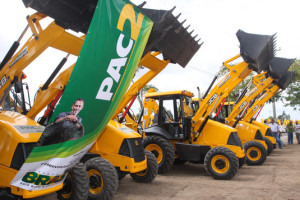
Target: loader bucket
(168, 35)
(279, 66)
(286, 79)
(69, 14)
(257, 50)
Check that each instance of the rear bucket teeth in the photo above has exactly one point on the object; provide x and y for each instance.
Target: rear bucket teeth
(279, 66)
(177, 44)
(257, 50)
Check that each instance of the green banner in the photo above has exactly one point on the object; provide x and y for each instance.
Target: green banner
(108, 59)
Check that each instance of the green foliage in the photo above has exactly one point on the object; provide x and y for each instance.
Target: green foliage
(292, 97)
(283, 116)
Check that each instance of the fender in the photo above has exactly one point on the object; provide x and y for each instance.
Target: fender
(159, 131)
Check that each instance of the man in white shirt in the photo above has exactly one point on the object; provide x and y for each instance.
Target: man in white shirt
(276, 132)
(297, 131)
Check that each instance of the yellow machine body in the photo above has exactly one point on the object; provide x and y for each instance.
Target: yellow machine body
(18, 131)
(264, 129)
(213, 134)
(109, 150)
(248, 132)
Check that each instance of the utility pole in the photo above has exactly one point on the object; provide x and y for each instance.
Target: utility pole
(274, 110)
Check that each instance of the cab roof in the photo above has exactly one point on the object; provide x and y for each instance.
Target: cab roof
(170, 93)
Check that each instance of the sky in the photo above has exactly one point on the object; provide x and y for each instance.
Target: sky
(216, 23)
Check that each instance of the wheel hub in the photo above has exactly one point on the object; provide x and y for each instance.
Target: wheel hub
(95, 181)
(253, 154)
(220, 164)
(155, 153)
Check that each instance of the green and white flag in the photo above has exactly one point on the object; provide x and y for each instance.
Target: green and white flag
(108, 59)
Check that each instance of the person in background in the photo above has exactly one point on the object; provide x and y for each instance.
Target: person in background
(280, 134)
(276, 132)
(290, 130)
(297, 131)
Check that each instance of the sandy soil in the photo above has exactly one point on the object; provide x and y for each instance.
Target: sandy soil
(277, 178)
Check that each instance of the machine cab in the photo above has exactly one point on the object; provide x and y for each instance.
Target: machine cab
(174, 112)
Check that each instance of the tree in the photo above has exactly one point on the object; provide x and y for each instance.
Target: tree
(283, 116)
(292, 97)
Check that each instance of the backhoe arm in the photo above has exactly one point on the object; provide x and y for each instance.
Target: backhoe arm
(52, 36)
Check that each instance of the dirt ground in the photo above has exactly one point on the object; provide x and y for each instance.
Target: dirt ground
(278, 178)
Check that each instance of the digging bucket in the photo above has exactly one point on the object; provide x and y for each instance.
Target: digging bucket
(69, 14)
(279, 66)
(168, 35)
(286, 79)
(257, 50)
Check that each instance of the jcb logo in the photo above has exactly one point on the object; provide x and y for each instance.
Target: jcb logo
(254, 109)
(212, 99)
(243, 105)
(38, 179)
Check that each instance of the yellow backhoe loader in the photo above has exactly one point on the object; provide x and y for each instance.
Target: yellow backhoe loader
(200, 139)
(17, 143)
(252, 138)
(168, 136)
(123, 148)
(256, 107)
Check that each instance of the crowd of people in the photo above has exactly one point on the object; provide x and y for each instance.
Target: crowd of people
(290, 129)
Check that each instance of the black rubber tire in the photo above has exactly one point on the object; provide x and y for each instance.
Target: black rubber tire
(101, 170)
(150, 173)
(178, 161)
(168, 152)
(226, 155)
(269, 144)
(255, 147)
(76, 184)
(121, 174)
(241, 162)
(7, 196)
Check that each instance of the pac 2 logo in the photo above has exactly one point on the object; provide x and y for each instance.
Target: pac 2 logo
(105, 91)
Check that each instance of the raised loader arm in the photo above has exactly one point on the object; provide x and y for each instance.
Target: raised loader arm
(52, 36)
(257, 51)
(168, 36)
(277, 67)
(256, 107)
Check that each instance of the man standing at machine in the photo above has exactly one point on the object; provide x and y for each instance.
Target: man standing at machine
(276, 132)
